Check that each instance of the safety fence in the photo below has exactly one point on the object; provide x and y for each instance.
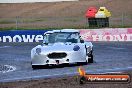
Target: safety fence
(62, 22)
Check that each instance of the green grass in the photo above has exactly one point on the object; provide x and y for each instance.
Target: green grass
(54, 28)
(6, 22)
(47, 28)
(32, 20)
(13, 20)
(72, 20)
(48, 19)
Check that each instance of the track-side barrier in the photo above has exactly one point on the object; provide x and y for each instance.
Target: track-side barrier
(107, 34)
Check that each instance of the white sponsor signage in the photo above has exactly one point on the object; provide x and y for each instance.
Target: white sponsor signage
(124, 34)
(22, 38)
(108, 34)
(122, 37)
(38, 38)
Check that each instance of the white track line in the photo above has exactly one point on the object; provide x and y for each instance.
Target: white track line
(4, 46)
(117, 48)
(98, 71)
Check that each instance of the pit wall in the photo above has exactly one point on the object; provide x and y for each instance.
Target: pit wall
(107, 34)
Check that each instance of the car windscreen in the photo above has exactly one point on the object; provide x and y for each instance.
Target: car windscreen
(63, 37)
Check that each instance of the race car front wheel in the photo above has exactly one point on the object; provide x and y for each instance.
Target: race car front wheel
(34, 67)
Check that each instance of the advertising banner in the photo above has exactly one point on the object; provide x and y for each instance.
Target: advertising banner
(109, 34)
(22, 36)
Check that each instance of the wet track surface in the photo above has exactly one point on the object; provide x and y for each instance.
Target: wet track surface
(108, 57)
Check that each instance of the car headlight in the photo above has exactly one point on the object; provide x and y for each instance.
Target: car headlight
(76, 48)
(38, 50)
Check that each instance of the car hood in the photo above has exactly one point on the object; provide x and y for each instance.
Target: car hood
(58, 47)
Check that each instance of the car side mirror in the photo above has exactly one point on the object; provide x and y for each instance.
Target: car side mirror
(45, 42)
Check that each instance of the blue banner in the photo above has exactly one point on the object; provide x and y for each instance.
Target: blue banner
(22, 36)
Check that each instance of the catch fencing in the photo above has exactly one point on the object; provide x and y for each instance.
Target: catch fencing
(60, 22)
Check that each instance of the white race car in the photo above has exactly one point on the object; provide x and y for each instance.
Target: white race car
(62, 47)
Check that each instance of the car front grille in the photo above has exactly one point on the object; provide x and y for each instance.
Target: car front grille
(57, 55)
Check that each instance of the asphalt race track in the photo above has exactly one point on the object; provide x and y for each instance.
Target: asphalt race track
(15, 62)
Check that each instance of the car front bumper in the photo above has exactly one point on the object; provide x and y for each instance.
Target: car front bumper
(72, 57)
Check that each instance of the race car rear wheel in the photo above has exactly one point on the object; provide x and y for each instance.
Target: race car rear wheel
(90, 57)
(90, 60)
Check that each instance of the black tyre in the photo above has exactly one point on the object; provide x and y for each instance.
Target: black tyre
(34, 67)
(90, 59)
